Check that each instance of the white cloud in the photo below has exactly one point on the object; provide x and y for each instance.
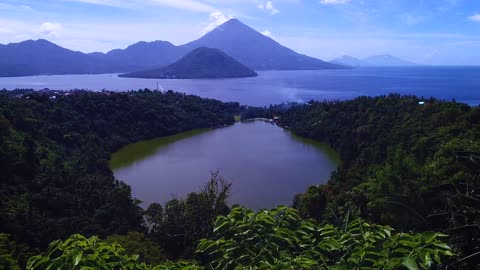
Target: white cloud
(15, 7)
(216, 19)
(115, 35)
(333, 2)
(447, 5)
(268, 7)
(110, 3)
(15, 31)
(105, 37)
(50, 29)
(267, 33)
(191, 5)
(22, 37)
(475, 18)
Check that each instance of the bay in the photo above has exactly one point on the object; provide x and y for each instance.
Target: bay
(274, 87)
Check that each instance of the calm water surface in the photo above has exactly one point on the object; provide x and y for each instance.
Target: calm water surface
(267, 165)
(273, 87)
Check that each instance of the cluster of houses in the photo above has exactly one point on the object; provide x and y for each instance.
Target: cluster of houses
(275, 121)
(54, 94)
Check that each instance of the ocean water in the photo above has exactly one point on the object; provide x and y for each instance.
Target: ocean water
(273, 87)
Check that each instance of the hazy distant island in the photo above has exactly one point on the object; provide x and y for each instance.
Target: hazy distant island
(201, 63)
(383, 60)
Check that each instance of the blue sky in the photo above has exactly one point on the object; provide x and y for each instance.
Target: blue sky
(439, 32)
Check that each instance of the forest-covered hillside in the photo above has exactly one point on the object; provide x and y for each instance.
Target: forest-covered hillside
(410, 167)
(406, 164)
(201, 63)
(54, 151)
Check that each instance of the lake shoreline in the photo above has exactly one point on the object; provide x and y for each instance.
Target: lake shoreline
(160, 157)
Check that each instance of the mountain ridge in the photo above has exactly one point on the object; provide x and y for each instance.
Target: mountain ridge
(36, 57)
(236, 39)
(388, 60)
(350, 61)
(381, 60)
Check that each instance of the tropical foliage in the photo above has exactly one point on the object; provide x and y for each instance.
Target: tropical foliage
(8, 254)
(137, 243)
(411, 167)
(407, 165)
(181, 224)
(54, 149)
(281, 239)
(78, 252)
(276, 239)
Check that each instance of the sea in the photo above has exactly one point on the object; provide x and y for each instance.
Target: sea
(274, 87)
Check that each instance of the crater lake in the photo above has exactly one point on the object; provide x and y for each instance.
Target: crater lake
(266, 164)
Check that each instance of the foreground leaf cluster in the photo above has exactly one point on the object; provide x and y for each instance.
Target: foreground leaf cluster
(281, 239)
(79, 252)
(275, 239)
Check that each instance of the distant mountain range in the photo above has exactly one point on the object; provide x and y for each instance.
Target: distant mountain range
(385, 60)
(236, 39)
(43, 57)
(200, 63)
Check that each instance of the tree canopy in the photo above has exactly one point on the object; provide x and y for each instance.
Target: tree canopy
(412, 167)
(409, 165)
(54, 151)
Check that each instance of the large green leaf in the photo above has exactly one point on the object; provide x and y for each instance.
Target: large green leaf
(410, 263)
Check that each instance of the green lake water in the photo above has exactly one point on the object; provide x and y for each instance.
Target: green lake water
(266, 164)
